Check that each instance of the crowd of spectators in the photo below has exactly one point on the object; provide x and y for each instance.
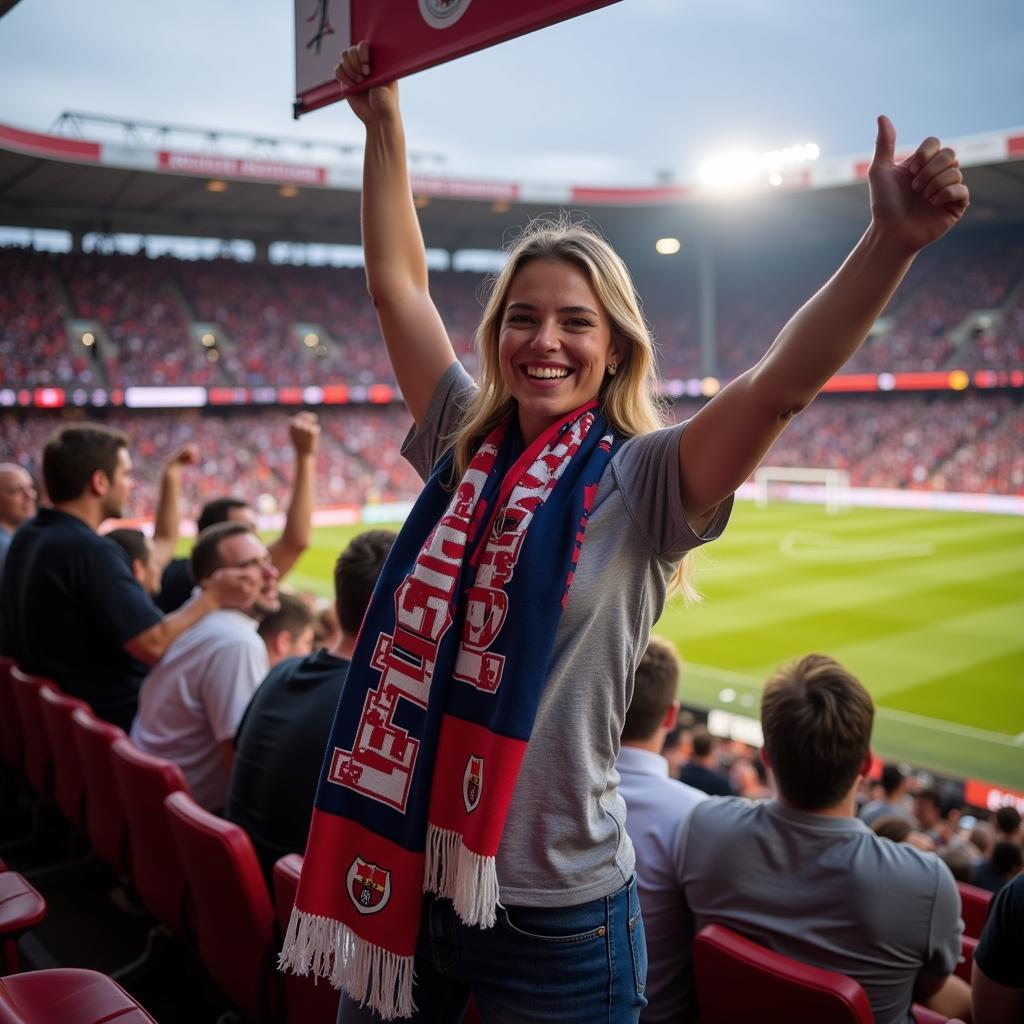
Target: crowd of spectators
(288, 325)
(963, 443)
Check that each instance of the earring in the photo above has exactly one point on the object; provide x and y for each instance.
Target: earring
(612, 367)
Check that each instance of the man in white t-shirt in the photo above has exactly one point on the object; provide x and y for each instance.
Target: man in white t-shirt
(657, 806)
(192, 701)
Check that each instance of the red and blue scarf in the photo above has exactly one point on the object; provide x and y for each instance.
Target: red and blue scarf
(439, 704)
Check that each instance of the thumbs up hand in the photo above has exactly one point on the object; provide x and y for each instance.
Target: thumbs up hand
(917, 200)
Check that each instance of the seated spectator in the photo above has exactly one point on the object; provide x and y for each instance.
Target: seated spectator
(1007, 825)
(1003, 866)
(191, 703)
(282, 737)
(997, 978)
(304, 432)
(70, 608)
(701, 771)
(678, 747)
(17, 504)
(895, 788)
(141, 557)
(288, 632)
(656, 807)
(803, 876)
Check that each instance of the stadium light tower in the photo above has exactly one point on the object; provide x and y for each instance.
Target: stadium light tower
(742, 169)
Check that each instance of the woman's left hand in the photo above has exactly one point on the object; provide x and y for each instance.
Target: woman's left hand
(916, 201)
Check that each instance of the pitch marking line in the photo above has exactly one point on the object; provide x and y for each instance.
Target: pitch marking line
(937, 724)
(804, 546)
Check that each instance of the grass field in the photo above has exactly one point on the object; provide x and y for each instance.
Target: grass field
(927, 608)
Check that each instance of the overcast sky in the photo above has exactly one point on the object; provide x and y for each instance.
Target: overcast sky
(617, 95)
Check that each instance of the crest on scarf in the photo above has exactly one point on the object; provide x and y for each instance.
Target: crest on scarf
(472, 782)
(369, 886)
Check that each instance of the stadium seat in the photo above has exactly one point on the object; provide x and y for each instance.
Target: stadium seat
(156, 872)
(738, 981)
(11, 742)
(68, 780)
(306, 1000)
(67, 995)
(37, 755)
(105, 821)
(21, 908)
(975, 903)
(234, 918)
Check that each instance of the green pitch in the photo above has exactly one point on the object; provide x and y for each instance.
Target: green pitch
(927, 608)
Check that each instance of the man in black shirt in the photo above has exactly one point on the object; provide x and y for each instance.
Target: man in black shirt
(280, 743)
(700, 771)
(70, 608)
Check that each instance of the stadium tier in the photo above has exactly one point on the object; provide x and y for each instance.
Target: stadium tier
(118, 321)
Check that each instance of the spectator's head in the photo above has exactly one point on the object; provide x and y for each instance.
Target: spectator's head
(982, 838)
(678, 745)
(288, 632)
(702, 743)
(1007, 821)
(958, 860)
(355, 576)
(1007, 859)
(90, 463)
(225, 510)
(928, 808)
(139, 549)
(236, 546)
(892, 826)
(653, 709)
(816, 718)
(895, 780)
(17, 496)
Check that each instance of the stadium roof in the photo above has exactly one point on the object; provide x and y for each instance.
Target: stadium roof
(160, 187)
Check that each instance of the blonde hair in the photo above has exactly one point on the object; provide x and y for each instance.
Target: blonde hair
(628, 398)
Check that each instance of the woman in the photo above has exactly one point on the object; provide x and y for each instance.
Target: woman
(474, 765)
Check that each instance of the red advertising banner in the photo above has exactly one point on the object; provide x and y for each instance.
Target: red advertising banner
(992, 797)
(211, 165)
(407, 35)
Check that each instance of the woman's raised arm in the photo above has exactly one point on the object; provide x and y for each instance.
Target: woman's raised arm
(396, 261)
(913, 202)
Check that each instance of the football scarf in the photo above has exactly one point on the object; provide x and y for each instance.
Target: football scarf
(438, 706)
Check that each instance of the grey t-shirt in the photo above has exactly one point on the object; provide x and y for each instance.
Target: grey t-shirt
(826, 891)
(565, 840)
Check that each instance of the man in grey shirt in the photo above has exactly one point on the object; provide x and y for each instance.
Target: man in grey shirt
(803, 876)
(656, 808)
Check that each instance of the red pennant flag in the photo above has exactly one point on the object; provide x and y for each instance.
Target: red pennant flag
(407, 35)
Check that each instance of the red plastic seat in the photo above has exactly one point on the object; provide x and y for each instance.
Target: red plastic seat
(11, 742)
(36, 754)
(105, 821)
(143, 781)
(234, 918)
(738, 981)
(306, 999)
(68, 781)
(975, 903)
(67, 995)
(21, 908)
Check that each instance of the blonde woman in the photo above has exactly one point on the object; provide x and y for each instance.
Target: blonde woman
(468, 836)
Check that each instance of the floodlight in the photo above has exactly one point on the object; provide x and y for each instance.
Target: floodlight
(311, 340)
(744, 168)
(215, 185)
(667, 246)
(88, 339)
(287, 191)
(958, 380)
(208, 340)
(710, 386)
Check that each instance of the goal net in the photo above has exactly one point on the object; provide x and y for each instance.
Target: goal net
(826, 486)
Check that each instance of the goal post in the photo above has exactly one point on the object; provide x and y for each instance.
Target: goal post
(829, 486)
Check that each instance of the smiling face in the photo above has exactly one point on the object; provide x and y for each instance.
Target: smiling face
(555, 343)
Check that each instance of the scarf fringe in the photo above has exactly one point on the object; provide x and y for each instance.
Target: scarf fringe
(372, 976)
(468, 879)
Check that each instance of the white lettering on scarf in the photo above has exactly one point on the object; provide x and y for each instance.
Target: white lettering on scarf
(381, 762)
(487, 602)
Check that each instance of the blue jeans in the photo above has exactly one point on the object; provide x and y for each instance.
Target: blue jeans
(572, 965)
